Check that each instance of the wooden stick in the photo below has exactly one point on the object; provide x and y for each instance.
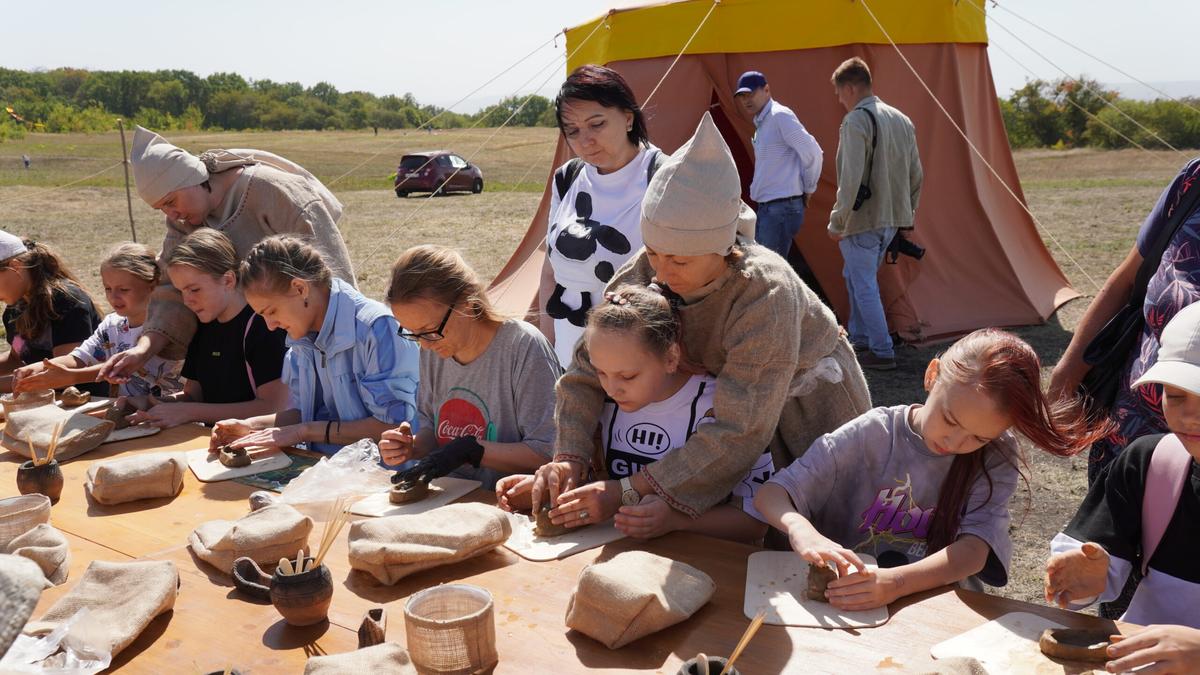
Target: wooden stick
(754, 626)
(54, 441)
(285, 567)
(33, 453)
(332, 530)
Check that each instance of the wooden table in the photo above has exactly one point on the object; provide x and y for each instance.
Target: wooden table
(213, 627)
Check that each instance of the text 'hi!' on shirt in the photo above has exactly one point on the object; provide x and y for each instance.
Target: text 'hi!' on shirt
(221, 356)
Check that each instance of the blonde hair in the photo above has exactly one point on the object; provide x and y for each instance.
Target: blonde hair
(207, 250)
(440, 274)
(138, 260)
(275, 261)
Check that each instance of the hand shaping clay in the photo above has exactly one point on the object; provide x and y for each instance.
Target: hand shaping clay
(234, 457)
(72, 397)
(116, 415)
(1074, 644)
(819, 577)
(544, 528)
(406, 493)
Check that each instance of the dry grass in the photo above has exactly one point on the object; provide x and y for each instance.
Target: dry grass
(1092, 202)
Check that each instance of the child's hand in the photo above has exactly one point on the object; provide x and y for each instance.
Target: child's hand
(588, 504)
(867, 589)
(649, 518)
(226, 432)
(163, 415)
(1072, 576)
(396, 445)
(44, 375)
(515, 492)
(820, 550)
(1172, 649)
(552, 479)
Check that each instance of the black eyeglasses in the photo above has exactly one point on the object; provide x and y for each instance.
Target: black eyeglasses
(429, 335)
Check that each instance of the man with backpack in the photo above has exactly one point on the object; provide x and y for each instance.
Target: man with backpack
(879, 180)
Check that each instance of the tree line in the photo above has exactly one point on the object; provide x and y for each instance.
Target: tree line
(76, 100)
(1070, 112)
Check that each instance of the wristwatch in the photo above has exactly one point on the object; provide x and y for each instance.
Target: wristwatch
(629, 496)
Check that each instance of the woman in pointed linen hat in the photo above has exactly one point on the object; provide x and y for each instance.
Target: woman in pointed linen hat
(246, 194)
(785, 372)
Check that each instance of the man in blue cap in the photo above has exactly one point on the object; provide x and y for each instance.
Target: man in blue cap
(787, 164)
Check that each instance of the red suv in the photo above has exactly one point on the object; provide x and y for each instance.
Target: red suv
(426, 171)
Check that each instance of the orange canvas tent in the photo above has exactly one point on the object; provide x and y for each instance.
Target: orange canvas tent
(986, 265)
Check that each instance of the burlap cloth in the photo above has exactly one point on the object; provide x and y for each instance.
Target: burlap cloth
(633, 595)
(394, 547)
(144, 476)
(80, 433)
(387, 657)
(47, 547)
(266, 535)
(19, 515)
(122, 598)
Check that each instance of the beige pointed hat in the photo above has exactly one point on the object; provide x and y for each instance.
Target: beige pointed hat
(693, 205)
(160, 168)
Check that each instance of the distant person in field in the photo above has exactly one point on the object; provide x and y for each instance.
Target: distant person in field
(26, 161)
(879, 180)
(787, 164)
(246, 194)
(595, 202)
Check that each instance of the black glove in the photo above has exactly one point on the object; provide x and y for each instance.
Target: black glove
(462, 450)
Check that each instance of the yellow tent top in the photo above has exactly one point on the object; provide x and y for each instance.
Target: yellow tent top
(741, 26)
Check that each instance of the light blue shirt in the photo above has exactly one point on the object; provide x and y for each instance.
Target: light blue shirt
(787, 159)
(357, 364)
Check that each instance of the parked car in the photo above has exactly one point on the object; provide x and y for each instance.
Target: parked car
(427, 171)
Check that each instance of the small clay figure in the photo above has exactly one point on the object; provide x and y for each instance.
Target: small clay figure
(544, 527)
(407, 493)
(72, 397)
(261, 498)
(234, 457)
(1075, 644)
(116, 415)
(819, 577)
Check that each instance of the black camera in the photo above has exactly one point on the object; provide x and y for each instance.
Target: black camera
(864, 193)
(902, 246)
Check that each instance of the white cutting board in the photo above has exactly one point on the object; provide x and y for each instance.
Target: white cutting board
(208, 468)
(130, 433)
(1009, 644)
(529, 546)
(777, 581)
(442, 491)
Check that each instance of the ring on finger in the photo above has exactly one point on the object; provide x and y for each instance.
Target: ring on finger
(583, 515)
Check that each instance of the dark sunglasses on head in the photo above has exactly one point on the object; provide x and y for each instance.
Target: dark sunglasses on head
(429, 335)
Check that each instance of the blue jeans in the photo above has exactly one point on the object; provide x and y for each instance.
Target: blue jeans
(863, 253)
(778, 223)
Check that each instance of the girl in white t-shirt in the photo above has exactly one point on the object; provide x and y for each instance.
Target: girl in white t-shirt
(655, 401)
(130, 273)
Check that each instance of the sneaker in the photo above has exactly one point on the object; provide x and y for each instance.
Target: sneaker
(870, 360)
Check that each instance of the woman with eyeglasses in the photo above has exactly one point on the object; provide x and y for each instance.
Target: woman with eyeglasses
(349, 374)
(486, 403)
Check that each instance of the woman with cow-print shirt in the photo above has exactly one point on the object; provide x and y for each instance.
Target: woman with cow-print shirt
(595, 204)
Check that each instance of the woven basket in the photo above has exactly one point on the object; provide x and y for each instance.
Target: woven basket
(19, 515)
(451, 629)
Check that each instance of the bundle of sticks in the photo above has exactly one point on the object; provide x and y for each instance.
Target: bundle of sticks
(50, 449)
(339, 513)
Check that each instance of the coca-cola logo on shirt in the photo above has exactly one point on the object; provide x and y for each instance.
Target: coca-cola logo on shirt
(458, 418)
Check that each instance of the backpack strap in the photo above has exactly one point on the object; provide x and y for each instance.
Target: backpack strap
(565, 176)
(1170, 464)
(656, 161)
(249, 372)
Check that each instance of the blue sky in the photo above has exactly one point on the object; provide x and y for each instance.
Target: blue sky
(441, 51)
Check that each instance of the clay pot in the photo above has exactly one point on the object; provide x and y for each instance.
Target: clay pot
(302, 599)
(404, 493)
(715, 664)
(46, 479)
(234, 457)
(373, 629)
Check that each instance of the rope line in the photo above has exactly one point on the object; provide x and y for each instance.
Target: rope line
(976, 151)
(681, 52)
(43, 191)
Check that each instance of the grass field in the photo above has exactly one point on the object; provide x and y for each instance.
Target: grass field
(1090, 201)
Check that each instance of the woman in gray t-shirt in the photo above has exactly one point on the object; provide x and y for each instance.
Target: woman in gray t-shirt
(486, 392)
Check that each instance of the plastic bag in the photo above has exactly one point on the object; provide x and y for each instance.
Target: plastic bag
(825, 370)
(66, 650)
(352, 471)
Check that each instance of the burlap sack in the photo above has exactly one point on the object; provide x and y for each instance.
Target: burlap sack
(122, 598)
(266, 535)
(47, 547)
(144, 476)
(394, 547)
(26, 399)
(81, 433)
(633, 595)
(19, 515)
(387, 657)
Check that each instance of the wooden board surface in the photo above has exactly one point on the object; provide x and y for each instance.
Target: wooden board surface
(442, 491)
(213, 627)
(208, 468)
(1009, 644)
(777, 581)
(529, 546)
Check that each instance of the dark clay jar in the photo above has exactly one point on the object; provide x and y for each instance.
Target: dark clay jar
(46, 479)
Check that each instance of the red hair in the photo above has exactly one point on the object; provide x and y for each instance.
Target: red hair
(1008, 371)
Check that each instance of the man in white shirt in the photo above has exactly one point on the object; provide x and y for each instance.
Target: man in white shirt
(787, 164)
